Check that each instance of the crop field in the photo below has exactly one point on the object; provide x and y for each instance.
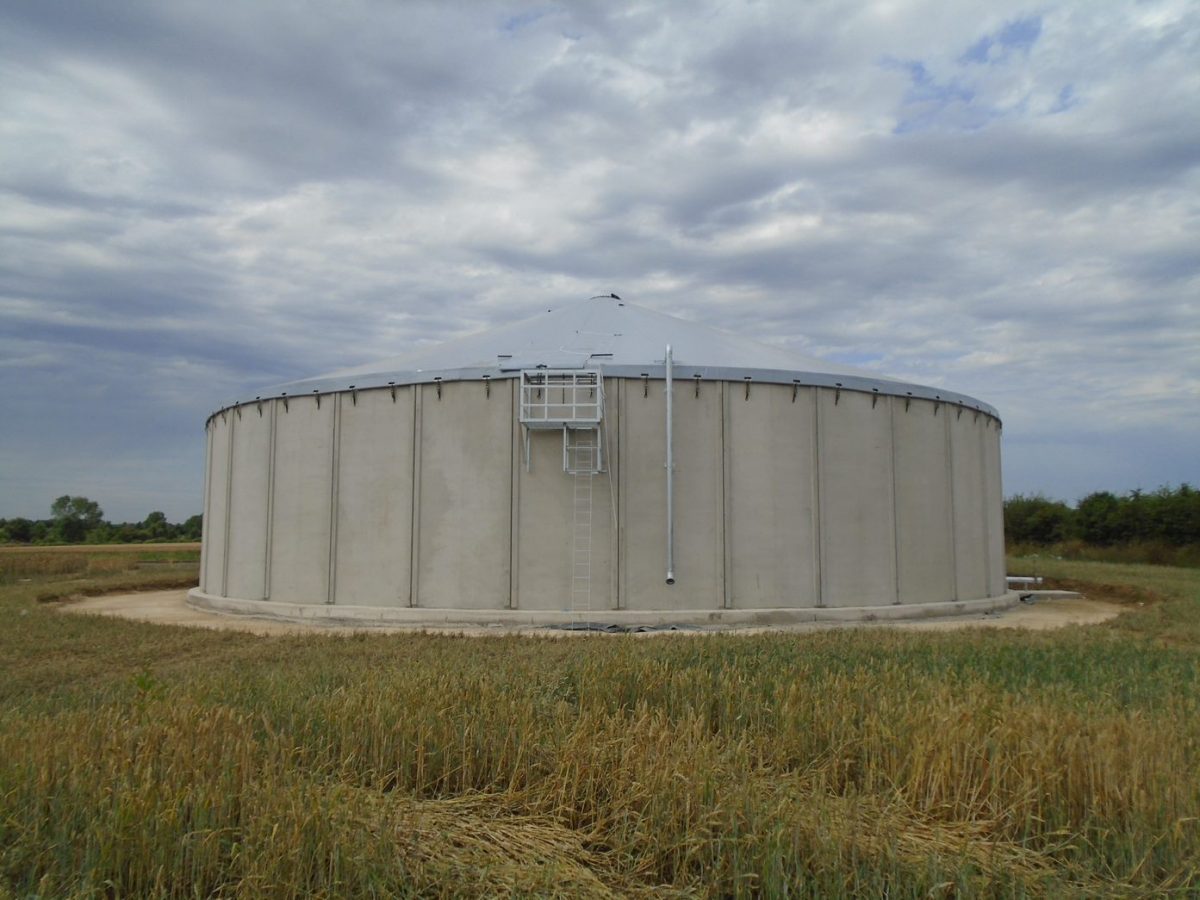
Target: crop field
(151, 761)
(86, 569)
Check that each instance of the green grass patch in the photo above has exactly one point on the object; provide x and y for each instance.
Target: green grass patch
(140, 760)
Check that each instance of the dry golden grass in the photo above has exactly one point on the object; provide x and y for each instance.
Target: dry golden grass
(169, 547)
(81, 560)
(163, 762)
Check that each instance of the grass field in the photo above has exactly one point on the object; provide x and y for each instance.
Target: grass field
(140, 760)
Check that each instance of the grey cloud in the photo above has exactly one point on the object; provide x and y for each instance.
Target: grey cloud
(201, 200)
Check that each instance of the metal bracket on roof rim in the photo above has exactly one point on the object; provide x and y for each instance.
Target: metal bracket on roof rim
(795, 388)
(937, 404)
(907, 400)
(747, 379)
(837, 394)
(696, 376)
(353, 396)
(959, 416)
(645, 384)
(874, 397)
(318, 395)
(487, 385)
(392, 385)
(437, 380)
(284, 398)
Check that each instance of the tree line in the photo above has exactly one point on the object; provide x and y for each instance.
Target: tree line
(78, 520)
(1168, 517)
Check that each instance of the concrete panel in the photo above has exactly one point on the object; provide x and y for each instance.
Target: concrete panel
(699, 513)
(216, 486)
(546, 530)
(374, 516)
(465, 492)
(612, 439)
(250, 479)
(302, 498)
(858, 554)
(995, 507)
(771, 516)
(970, 539)
(924, 543)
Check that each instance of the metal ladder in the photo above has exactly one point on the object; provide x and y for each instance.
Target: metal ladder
(583, 462)
(581, 545)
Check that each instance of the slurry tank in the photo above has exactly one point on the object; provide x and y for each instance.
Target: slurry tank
(605, 462)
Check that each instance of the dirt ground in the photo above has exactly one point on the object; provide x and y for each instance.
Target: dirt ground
(170, 608)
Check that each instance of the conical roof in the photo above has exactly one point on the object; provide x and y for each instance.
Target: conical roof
(617, 337)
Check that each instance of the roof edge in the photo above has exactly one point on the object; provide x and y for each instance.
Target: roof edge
(887, 387)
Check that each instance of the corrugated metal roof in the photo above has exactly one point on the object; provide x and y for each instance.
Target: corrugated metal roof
(619, 338)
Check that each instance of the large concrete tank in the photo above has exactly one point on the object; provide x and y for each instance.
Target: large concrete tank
(521, 475)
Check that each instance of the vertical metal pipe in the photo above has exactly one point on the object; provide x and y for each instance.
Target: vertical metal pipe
(670, 477)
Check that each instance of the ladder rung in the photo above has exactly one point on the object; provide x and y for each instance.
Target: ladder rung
(581, 458)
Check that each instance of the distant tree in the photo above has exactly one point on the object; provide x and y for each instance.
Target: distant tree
(1134, 519)
(74, 517)
(126, 533)
(20, 531)
(101, 534)
(1036, 520)
(192, 528)
(1098, 519)
(156, 527)
(1177, 514)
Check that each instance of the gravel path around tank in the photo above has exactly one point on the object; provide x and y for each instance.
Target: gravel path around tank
(171, 608)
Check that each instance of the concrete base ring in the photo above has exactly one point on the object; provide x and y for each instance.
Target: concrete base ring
(365, 616)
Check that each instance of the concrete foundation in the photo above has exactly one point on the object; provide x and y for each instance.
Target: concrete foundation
(726, 618)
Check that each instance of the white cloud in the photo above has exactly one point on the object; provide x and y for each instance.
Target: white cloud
(197, 200)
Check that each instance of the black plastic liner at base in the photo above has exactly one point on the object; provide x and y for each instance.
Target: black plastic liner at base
(619, 629)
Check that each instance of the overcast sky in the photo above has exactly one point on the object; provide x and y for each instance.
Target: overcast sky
(200, 199)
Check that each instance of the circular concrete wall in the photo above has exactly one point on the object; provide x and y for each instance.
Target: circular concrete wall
(793, 500)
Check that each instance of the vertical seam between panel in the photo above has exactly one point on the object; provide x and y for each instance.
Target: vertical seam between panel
(985, 502)
(726, 508)
(614, 520)
(228, 509)
(623, 564)
(514, 500)
(818, 511)
(895, 501)
(334, 485)
(953, 514)
(268, 551)
(414, 539)
(403, 591)
(1002, 578)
